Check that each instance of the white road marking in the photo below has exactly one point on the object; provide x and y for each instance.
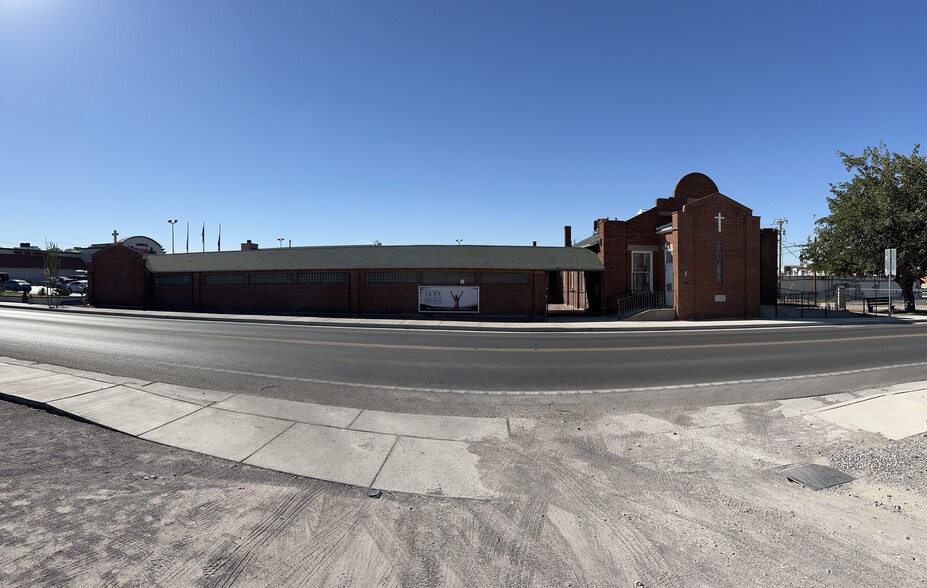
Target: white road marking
(544, 392)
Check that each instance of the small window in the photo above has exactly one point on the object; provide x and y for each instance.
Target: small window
(322, 278)
(224, 279)
(449, 278)
(505, 278)
(270, 279)
(390, 278)
(172, 280)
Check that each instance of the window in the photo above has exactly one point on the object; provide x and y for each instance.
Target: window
(505, 278)
(224, 279)
(390, 278)
(322, 278)
(641, 271)
(270, 279)
(161, 280)
(449, 278)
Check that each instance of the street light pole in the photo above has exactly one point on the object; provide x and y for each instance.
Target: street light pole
(172, 222)
(281, 239)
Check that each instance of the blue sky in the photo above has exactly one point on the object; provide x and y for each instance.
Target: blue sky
(345, 122)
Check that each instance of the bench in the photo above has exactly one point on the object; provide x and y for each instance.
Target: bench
(876, 301)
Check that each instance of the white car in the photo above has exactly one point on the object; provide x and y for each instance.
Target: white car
(77, 286)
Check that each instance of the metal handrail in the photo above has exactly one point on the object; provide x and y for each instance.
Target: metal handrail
(638, 302)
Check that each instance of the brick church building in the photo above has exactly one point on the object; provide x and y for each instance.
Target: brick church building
(698, 254)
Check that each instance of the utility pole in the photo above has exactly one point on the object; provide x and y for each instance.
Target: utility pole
(781, 231)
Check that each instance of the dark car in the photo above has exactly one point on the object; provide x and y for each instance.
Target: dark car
(18, 286)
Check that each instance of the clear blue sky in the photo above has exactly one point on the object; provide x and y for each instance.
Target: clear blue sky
(345, 122)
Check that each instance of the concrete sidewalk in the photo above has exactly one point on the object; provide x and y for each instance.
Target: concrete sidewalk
(420, 454)
(555, 324)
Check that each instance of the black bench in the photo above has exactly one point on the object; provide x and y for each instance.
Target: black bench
(877, 301)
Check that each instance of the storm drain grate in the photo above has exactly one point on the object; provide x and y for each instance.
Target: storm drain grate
(816, 477)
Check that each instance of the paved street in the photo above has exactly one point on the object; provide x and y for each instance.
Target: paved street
(666, 480)
(399, 369)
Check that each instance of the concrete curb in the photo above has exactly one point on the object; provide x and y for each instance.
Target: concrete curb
(411, 453)
(523, 327)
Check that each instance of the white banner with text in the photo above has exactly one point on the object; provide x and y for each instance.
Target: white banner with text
(448, 299)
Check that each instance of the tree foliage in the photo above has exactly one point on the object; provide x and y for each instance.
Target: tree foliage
(52, 267)
(883, 205)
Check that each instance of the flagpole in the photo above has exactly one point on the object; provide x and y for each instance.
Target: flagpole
(203, 237)
(219, 242)
(188, 236)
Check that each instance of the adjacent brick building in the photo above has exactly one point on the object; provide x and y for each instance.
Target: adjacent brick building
(371, 280)
(697, 252)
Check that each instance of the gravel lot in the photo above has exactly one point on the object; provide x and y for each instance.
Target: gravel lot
(677, 498)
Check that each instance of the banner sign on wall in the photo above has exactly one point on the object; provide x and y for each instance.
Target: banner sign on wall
(448, 299)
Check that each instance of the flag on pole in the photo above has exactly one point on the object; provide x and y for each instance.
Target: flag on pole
(203, 237)
(188, 236)
(219, 242)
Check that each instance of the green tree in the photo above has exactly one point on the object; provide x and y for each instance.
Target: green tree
(52, 267)
(883, 206)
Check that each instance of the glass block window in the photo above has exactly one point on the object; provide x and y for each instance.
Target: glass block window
(176, 280)
(390, 278)
(507, 278)
(322, 278)
(224, 279)
(270, 279)
(449, 278)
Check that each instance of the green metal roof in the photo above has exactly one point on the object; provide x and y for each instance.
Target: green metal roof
(501, 257)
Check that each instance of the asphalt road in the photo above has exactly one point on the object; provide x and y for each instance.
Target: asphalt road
(351, 366)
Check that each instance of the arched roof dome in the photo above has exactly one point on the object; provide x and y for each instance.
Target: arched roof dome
(694, 185)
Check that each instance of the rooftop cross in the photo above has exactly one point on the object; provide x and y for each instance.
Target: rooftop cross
(115, 234)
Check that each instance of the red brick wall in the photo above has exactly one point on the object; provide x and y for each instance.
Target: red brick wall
(353, 297)
(769, 265)
(388, 298)
(118, 277)
(172, 296)
(696, 270)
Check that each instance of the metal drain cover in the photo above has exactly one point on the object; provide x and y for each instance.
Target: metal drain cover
(816, 477)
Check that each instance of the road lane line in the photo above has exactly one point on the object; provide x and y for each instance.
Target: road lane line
(541, 392)
(648, 348)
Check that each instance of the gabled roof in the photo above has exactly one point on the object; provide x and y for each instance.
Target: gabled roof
(499, 257)
(711, 200)
(591, 240)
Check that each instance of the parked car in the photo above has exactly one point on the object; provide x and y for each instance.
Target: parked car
(77, 287)
(17, 286)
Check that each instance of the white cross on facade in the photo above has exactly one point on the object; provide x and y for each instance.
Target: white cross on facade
(115, 234)
(720, 218)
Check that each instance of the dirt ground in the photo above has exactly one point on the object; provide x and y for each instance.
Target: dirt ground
(686, 498)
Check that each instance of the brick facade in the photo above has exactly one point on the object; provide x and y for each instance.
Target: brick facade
(117, 277)
(714, 274)
(136, 287)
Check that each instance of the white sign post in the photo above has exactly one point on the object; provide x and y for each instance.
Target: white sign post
(891, 266)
